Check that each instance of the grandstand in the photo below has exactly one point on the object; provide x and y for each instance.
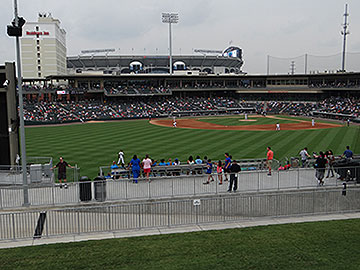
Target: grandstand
(83, 97)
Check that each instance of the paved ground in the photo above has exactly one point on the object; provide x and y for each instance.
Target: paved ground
(178, 229)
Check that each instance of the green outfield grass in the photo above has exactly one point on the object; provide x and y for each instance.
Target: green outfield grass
(92, 145)
(318, 245)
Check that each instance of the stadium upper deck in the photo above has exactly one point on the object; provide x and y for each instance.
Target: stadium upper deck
(153, 64)
(230, 61)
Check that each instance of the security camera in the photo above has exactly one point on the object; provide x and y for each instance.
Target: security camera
(6, 83)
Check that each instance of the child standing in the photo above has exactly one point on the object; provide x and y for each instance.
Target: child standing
(209, 167)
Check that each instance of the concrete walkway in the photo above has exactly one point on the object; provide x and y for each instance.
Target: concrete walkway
(179, 229)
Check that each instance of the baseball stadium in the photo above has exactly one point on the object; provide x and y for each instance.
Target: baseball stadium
(91, 119)
(135, 113)
(187, 155)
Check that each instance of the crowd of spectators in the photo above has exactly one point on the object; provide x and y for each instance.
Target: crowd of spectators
(96, 110)
(349, 106)
(293, 108)
(169, 105)
(47, 112)
(334, 105)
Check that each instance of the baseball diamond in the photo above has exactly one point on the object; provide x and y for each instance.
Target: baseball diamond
(95, 144)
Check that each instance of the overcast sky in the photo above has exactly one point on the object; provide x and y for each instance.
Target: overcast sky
(284, 28)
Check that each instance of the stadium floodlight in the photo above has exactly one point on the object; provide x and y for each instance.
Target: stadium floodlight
(170, 18)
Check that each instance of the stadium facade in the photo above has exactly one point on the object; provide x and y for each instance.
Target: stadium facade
(229, 61)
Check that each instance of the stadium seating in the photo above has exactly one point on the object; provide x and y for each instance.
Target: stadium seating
(140, 106)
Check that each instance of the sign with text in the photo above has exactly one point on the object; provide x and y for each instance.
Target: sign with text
(35, 33)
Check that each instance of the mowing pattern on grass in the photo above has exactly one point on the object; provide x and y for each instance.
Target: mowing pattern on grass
(96, 144)
(319, 245)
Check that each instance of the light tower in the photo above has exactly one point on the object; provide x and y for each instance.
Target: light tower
(15, 30)
(170, 18)
(344, 33)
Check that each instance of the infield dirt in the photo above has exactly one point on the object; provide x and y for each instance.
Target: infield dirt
(194, 123)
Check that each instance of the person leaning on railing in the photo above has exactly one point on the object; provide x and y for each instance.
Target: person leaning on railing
(62, 164)
(348, 154)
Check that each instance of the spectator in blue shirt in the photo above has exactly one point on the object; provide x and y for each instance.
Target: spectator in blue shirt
(209, 168)
(227, 165)
(135, 167)
(162, 162)
(198, 160)
(114, 169)
(114, 166)
(348, 154)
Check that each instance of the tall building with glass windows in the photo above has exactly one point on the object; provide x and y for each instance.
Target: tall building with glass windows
(43, 48)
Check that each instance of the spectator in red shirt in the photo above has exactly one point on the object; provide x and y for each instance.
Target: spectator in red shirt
(269, 158)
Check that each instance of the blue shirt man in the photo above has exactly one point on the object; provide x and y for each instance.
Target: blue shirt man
(348, 153)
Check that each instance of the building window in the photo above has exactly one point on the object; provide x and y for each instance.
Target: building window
(38, 55)
(37, 28)
(38, 48)
(39, 74)
(39, 68)
(38, 42)
(38, 61)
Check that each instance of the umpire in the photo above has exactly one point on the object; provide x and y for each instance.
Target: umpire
(234, 169)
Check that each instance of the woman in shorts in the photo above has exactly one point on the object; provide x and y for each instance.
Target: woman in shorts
(147, 166)
(219, 170)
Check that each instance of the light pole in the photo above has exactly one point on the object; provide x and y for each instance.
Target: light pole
(15, 30)
(344, 33)
(170, 18)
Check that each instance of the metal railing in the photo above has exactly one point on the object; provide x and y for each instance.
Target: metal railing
(130, 216)
(167, 187)
(37, 173)
(185, 169)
